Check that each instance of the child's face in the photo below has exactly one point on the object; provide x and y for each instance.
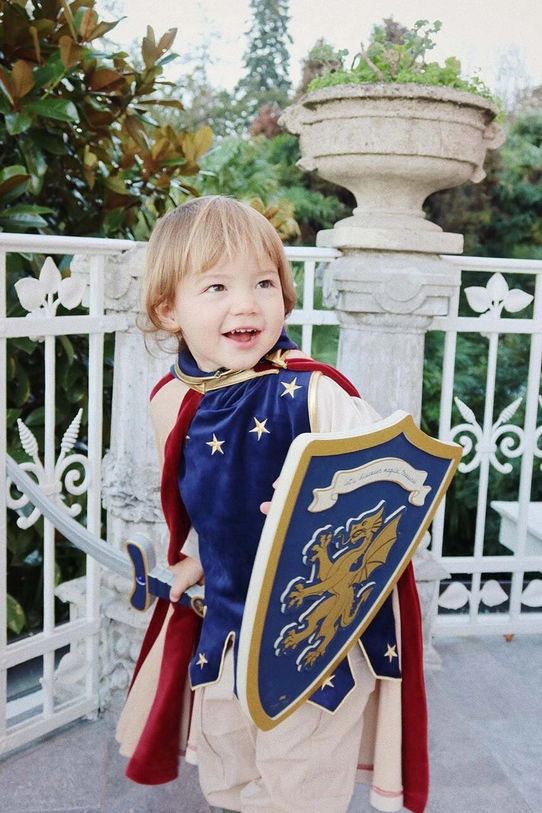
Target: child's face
(231, 315)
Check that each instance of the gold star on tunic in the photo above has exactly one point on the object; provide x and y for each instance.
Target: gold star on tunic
(216, 445)
(329, 682)
(202, 660)
(259, 428)
(391, 653)
(290, 388)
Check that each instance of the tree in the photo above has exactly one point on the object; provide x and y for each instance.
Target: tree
(79, 146)
(266, 60)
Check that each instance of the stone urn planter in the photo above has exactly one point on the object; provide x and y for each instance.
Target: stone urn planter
(392, 146)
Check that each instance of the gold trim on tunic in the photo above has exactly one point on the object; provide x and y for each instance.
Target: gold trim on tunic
(225, 378)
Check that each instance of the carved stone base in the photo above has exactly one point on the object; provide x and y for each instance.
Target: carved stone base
(121, 634)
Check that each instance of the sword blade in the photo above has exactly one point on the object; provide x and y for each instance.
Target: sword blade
(138, 565)
(77, 534)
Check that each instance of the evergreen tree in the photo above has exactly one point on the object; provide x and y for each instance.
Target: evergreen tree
(266, 59)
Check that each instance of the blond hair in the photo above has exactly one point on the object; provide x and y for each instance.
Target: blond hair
(198, 235)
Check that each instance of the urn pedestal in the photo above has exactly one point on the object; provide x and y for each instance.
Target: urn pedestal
(392, 146)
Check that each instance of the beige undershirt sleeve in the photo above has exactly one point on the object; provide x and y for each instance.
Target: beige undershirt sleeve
(336, 411)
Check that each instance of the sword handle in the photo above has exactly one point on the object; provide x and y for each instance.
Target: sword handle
(151, 581)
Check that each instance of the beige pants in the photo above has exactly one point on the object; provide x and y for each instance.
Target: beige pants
(307, 764)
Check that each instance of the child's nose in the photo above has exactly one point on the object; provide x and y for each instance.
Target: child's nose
(245, 302)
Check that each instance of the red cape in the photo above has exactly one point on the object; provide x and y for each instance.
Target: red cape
(156, 758)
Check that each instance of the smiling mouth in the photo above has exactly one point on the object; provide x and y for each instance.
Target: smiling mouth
(243, 335)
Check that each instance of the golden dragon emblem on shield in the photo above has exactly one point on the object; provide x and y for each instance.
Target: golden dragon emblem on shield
(342, 562)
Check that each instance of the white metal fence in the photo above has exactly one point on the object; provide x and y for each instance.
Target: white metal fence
(33, 699)
(491, 404)
(495, 583)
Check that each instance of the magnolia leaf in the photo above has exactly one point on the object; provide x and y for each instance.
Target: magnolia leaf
(103, 28)
(478, 298)
(21, 221)
(70, 52)
(15, 615)
(87, 23)
(13, 182)
(49, 73)
(166, 41)
(203, 138)
(165, 60)
(137, 131)
(68, 16)
(160, 149)
(89, 158)
(105, 79)
(189, 168)
(497, 287)
(27, 209)
(148, 49)
(174, 162)
(22, 78)
(70, 292)
(17, 123)
(50, 277)
(58, 109)
(90, 177)
(35, 162)
(116, 184)
(516, 300)
(6, 84)
(33, 31)
(162, 103)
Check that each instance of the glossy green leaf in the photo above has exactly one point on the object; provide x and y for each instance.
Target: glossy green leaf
(35, 163)
(57, 109)
(52, 144)
(36, 417)
(52, 72)
(16, 618)
(114, 220)
(13, 182)
(18, 122)
(20, 391)
(68, 349)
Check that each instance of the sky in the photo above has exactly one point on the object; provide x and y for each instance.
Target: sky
(482, 33)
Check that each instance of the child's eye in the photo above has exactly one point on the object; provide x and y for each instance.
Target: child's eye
(215, 288)
(265, 283)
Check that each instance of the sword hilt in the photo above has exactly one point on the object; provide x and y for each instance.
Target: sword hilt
(151, 581)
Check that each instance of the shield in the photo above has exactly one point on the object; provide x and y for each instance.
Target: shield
(347, 516)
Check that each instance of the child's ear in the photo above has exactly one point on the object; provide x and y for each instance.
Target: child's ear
(168, 319)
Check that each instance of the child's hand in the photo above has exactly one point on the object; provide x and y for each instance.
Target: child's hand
(265, 506)
(187, 573)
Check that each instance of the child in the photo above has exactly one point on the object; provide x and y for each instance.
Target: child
(217, 280)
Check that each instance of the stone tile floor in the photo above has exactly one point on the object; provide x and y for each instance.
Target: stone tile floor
(485, 746)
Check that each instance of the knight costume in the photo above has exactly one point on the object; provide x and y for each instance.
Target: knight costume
(227, 446)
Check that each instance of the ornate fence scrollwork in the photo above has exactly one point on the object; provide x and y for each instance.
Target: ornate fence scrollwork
(75, 481)
(506, 446)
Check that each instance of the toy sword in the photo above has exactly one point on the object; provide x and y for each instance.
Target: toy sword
(137, 564)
